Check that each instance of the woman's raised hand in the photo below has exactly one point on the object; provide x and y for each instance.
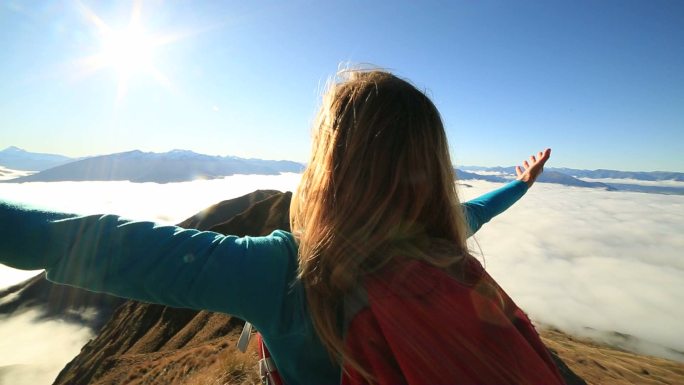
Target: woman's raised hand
(531, 169)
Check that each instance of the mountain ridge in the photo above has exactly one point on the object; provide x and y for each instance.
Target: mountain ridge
(593, 174)
(21, 160)
(179, 165)
(173, 166)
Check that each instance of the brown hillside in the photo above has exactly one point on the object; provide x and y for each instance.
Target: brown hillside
(225, 210)
(600, 364)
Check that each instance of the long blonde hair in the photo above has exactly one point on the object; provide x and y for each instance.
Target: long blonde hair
(379, 186)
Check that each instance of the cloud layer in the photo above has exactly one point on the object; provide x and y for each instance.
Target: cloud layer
(32, 352)
(595, 263)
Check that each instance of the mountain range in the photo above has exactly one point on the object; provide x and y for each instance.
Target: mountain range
(17, 159)
(615, 180)
(593, 174)
(184, 165)
(546, 177)
(172, 166)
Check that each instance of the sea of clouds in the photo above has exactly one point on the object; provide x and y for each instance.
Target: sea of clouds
(660, 183)
(602, 264)
(594, 263)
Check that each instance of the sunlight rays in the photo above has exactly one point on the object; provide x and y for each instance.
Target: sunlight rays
(128, 52)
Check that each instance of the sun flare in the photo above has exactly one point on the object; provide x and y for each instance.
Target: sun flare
(128, 52)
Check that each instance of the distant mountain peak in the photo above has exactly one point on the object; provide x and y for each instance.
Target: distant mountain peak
(13, 149)
(181, 151)
(17, 158)
(166, 167)
(185, 153)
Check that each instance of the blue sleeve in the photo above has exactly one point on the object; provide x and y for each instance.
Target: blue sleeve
(168, 265)
(482, 209)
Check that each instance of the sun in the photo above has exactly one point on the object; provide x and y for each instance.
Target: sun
(128, 52)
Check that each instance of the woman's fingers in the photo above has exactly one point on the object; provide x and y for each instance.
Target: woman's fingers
(518, 170)
(541, 157)
(546, 154)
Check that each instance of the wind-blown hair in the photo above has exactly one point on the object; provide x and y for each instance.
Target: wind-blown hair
(379, 188)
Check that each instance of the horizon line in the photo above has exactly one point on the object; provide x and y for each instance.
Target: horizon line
(454, 165)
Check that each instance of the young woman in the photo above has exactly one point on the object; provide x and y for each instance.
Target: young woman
(378, 190)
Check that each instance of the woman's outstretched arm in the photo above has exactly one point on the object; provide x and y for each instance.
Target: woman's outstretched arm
(482, 209)
(149, 262)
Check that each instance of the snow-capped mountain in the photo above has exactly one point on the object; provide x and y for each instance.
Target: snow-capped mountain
(172, 166)
(19, 159)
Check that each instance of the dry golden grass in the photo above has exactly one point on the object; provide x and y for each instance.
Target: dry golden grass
(601, 364)
(217, 362)
(230, 367)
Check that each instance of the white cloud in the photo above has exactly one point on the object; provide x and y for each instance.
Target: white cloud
(493, 173)
(33, 351)
(167, 203)
(6, 173)
(595, 263)
(10, 276)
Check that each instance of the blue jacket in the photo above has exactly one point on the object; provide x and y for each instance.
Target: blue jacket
(253, 278)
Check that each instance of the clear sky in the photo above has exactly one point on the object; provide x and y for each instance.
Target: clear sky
(601, 82)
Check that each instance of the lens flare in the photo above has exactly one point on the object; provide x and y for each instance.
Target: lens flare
(128, 52)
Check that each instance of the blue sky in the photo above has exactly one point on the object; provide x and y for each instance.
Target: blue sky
(601, 82)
